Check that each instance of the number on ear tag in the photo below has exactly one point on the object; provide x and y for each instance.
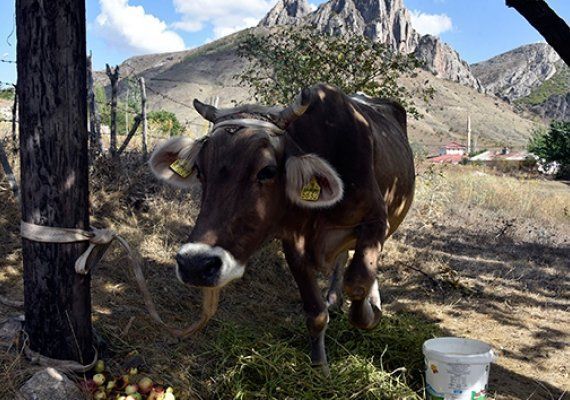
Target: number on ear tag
(311, 191)
(181, 167)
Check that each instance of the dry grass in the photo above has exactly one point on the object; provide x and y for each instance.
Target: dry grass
(496, 199)
(256, 345)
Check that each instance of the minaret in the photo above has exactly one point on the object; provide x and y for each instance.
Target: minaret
(468, 134)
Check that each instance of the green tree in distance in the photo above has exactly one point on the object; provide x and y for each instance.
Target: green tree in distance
(166, 122)
(553, 145)
(285, 60)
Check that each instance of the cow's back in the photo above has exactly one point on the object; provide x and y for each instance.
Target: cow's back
(393, 158)
(365, 140)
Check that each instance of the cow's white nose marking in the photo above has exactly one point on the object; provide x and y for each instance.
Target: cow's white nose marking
(231, 269)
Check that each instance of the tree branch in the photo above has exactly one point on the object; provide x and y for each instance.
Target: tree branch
(543, 18)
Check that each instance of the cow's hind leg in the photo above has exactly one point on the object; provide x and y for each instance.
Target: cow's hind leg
(313, 305)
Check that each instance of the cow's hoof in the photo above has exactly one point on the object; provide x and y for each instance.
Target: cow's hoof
(364, 315)
(322, 369)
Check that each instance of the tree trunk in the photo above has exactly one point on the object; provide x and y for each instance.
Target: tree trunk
(143, 117)
(53, 135)
(543, 18)
(95, 143)
(114, 77)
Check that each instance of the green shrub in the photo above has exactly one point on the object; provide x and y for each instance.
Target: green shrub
(166, 122)
(553, 145)
(286, 60)
(7, 93)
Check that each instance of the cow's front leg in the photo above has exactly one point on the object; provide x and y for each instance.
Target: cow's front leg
(360, 283)
(313, 304)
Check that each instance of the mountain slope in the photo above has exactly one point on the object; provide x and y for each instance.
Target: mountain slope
(173, 80)
(532, 75)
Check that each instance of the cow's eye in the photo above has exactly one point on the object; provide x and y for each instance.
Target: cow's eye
(267, 173)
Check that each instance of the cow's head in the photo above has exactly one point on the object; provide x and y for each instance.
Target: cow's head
(248, 182)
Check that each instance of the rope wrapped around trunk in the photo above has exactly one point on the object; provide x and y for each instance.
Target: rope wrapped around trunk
(99, 242)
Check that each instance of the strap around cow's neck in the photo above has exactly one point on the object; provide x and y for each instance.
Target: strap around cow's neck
(250, 123)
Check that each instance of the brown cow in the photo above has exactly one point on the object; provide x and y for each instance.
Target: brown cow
(329, 174)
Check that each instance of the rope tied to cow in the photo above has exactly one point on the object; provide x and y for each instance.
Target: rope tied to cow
(99, 242)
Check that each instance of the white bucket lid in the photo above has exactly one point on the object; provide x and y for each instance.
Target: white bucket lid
(453, 350)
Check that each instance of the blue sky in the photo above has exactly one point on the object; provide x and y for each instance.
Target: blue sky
(118, 29)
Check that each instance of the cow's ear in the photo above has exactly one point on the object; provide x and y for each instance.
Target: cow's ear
(173, 161)
(312, 182)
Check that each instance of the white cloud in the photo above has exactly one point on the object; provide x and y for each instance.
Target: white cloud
(132, 29)
(225, 16)
(312, 6)
(432, 24)
(188, 26)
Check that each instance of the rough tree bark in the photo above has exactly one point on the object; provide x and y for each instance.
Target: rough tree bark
(53, 136)
(547, 23)
(143, 117)
(114, 78)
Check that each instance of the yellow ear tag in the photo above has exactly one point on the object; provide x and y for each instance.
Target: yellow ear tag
(311, 191)
(181, 168)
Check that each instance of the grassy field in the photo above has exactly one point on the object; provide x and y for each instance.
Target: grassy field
(481, 255)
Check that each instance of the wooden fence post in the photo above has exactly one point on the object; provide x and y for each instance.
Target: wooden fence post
(52, 90)
(14, 121)
(143, 117)
(95, 142)
(127, 107)
(9, 172)
(114, 78)
(130, 135)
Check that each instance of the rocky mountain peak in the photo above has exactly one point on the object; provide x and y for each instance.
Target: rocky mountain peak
(286, 12)
(385, 21)
(533, 76)
(515, 73)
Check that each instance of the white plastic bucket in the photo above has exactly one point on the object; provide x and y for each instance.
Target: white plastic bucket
(457, 368)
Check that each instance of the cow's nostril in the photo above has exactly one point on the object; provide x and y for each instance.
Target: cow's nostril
(211, 265)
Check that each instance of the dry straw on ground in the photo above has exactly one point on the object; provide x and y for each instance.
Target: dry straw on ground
(434, 273)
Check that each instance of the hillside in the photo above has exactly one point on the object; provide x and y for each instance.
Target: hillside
(532, 76)
(175, 79)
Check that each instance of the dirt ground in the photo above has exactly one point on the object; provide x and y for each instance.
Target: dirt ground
(509, 293)
(476, 268)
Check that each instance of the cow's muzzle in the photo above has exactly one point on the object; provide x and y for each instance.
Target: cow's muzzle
(201, 265)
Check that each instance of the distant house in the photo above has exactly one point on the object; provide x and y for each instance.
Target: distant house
(505, 154)
(452, 153)
(453, 148)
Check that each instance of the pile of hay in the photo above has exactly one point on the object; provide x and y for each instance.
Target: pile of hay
(255, 347)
